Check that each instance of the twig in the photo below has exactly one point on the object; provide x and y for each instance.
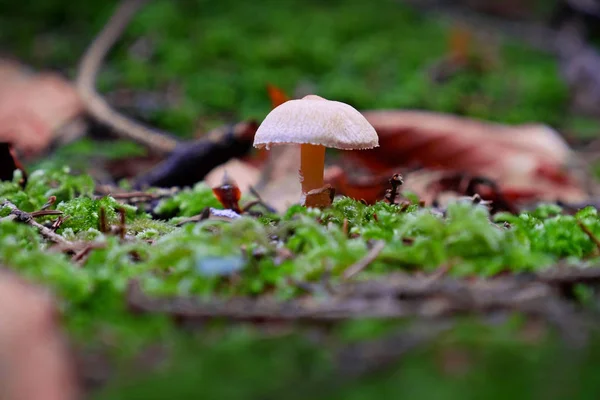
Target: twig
(134, 196)
(391, 194)
(589, 233)
(102, 223)
(81, 256)
(51, 201)
(122, 219)
(25, 217)
(192, 161)
(43, 213)
(533, 299)
(259, 201)
(97, 107)
(567, 275)
(365, 261)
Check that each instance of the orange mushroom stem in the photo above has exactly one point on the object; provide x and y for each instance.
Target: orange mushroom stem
(312, 165)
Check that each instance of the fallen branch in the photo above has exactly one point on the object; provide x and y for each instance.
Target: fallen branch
(27, 218)
(97, 107)
(191, 162)
(589, 233)
(394, 297)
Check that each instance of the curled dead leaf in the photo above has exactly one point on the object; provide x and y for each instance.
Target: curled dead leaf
(33, 107)
(529, 161)
(34, 361)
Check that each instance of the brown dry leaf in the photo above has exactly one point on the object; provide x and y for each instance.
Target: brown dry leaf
(34, 361)
(527, 161)
(360, 186)
(33, 107)
(244, 174)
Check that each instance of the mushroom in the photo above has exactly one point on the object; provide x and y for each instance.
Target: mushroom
(315, 123)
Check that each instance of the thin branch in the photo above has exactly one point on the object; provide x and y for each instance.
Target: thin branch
(25, 217)
(444, 298)
(96, 106)
(43, 213)
(365, 261)
(589, 233)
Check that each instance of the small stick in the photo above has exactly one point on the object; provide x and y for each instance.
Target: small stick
(82, 255)
(43, 212)
(365, 261)
(103, 225)
(589, 233)
(122, 228)
(25, 217)
(59, 221)
(97, 107)
(346, 227)
(255, 193)
(391, 194)
(51, 200)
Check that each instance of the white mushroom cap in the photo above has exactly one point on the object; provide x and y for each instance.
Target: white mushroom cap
(315, 120)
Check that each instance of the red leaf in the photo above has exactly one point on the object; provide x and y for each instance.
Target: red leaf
(228, 194)
(527, 160)
(277, 96)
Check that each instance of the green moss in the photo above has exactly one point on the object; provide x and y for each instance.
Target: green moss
(371, 57)
(270, 254)
(42, 184)
(274, 252)
(148, 228)
(21, 248)
(188, 202)
(84, 213)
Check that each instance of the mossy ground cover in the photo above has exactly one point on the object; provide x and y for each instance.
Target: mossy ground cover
(269, 254)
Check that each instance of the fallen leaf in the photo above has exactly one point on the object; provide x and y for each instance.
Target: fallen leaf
(34, 361)
(228, 193)
(244, 174)
(528, 161)
(367, 187)
(33, 107)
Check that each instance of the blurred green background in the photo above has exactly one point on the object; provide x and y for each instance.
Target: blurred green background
(197, 64)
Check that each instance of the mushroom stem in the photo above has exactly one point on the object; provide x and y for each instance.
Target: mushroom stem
(312, 164)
